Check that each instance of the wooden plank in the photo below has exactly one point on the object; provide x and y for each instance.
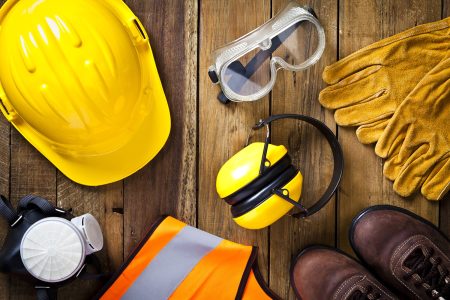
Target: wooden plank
(362, 23)
(444, 223)
(31, 173)
(298, 93)
(445, 203)
(225, 128)
(168, 184)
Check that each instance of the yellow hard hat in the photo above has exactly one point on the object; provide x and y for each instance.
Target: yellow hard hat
(78, 80)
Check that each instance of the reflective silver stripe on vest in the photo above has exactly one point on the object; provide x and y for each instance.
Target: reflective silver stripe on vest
(173, 263)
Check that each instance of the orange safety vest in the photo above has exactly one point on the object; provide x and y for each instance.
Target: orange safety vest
(177, 261)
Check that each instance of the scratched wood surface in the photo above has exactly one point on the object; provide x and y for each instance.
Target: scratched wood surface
(180, 181)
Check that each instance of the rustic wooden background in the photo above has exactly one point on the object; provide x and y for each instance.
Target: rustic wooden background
(181, 180)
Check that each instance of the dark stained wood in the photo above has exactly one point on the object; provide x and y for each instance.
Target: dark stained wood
(168, 184)
(298, 93)
(362, 23)
(224, 128)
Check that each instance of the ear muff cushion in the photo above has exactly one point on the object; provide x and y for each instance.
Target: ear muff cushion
(243, 167)
(260, 182)
(273, 208)
(264, 193)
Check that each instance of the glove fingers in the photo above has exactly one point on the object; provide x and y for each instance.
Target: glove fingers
(437, 184)
(415, 171)
(357, 88)
(395, 128)
(348, 66)
(375, 109)
(370, 133)
(393, 163)
(377, 53)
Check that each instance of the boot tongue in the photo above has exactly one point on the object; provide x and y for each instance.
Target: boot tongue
(368, 294)
(428, 272)
(418, 262)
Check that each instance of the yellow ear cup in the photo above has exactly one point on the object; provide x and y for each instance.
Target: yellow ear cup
(243, 167)
(251, 194)
(273, 208)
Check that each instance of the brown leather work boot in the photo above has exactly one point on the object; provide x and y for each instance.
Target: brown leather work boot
(407, 252)
(322, 273)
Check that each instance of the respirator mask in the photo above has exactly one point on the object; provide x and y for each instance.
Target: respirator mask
(47, 245)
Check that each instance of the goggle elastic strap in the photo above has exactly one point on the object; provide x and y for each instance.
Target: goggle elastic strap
(338, 159)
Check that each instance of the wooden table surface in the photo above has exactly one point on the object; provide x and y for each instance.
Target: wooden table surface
(180, 181)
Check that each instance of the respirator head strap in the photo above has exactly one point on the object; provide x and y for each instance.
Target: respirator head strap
(45, 293)
(8, 212)
(338, 159)
(42, 204)
(93, 261)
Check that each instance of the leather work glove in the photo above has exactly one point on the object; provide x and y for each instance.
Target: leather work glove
(367, 86)
(419, 133)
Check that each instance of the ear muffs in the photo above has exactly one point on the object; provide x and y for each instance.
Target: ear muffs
(264, 193)
(253, 201)
(261, 184)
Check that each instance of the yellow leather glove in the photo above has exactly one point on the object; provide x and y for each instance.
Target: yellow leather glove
(368, 86)
(419, 133)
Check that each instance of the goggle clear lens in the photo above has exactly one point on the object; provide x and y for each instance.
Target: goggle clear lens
(250, 73)
(297, 43)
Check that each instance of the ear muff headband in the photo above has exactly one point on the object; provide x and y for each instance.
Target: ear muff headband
(264, 193)
(260, 182)
(338, 159)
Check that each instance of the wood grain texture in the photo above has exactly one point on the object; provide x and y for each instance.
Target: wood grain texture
(224, 128)
(297, 92)
(362, 23)
(168, 184)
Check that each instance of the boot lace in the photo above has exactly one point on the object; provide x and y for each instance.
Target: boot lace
(368, 294)
(427, 272)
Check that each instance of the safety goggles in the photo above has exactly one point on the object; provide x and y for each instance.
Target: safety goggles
(246, 68)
